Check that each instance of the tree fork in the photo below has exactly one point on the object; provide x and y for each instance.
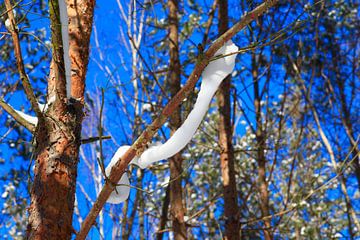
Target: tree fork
(58, 134)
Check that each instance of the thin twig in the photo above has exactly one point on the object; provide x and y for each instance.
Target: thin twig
(94, 139)
(19, 61)
(209, 23)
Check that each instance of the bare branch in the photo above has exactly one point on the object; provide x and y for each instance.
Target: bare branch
(209, 23)
(19, 61)
(94, 139)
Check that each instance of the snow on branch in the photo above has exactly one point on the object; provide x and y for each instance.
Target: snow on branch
(19, 116)
(26, 120)
(31, 119)
(215, 72)
(122, 191)
(136, 149)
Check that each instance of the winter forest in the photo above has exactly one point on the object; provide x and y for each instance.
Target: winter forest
(211, 119)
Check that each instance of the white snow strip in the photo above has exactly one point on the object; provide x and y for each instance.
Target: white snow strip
(43, 107)
(123, 190)
(51, 100)
(27, 117)
(64, 19)
(212, 77)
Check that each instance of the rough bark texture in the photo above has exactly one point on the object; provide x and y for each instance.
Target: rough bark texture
(177, 210)
(261, 159)
(231, 210)
(53, 192)
(58, 135)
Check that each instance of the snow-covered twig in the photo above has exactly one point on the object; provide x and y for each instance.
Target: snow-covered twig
(122, 191)
(26, 120)
(31, 119)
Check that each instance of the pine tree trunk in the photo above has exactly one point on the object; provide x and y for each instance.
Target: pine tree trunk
(231, 211)
(261, 158)
(53, 191)
(58, 135)
(177, 210)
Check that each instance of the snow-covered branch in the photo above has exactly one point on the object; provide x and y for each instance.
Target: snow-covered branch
(23, 119)
(215, 72)
(138, 147)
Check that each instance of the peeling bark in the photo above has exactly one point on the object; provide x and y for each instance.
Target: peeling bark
(53, 191)
(58, 135)
(80, 14)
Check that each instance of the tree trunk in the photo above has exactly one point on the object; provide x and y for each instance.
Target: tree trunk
(164, 214)
(176, 200)
(58, 135)
(261, 158)
(231, 211)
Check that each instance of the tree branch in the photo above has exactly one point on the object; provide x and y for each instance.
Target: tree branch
(94, 139)
(138, 147)
(18, 118)
(19, 60)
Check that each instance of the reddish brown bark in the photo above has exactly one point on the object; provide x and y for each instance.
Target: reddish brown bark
(231, 210)
(177, 210)
(80, 24)
(261, 158)
(53, 191)
(58, 138)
